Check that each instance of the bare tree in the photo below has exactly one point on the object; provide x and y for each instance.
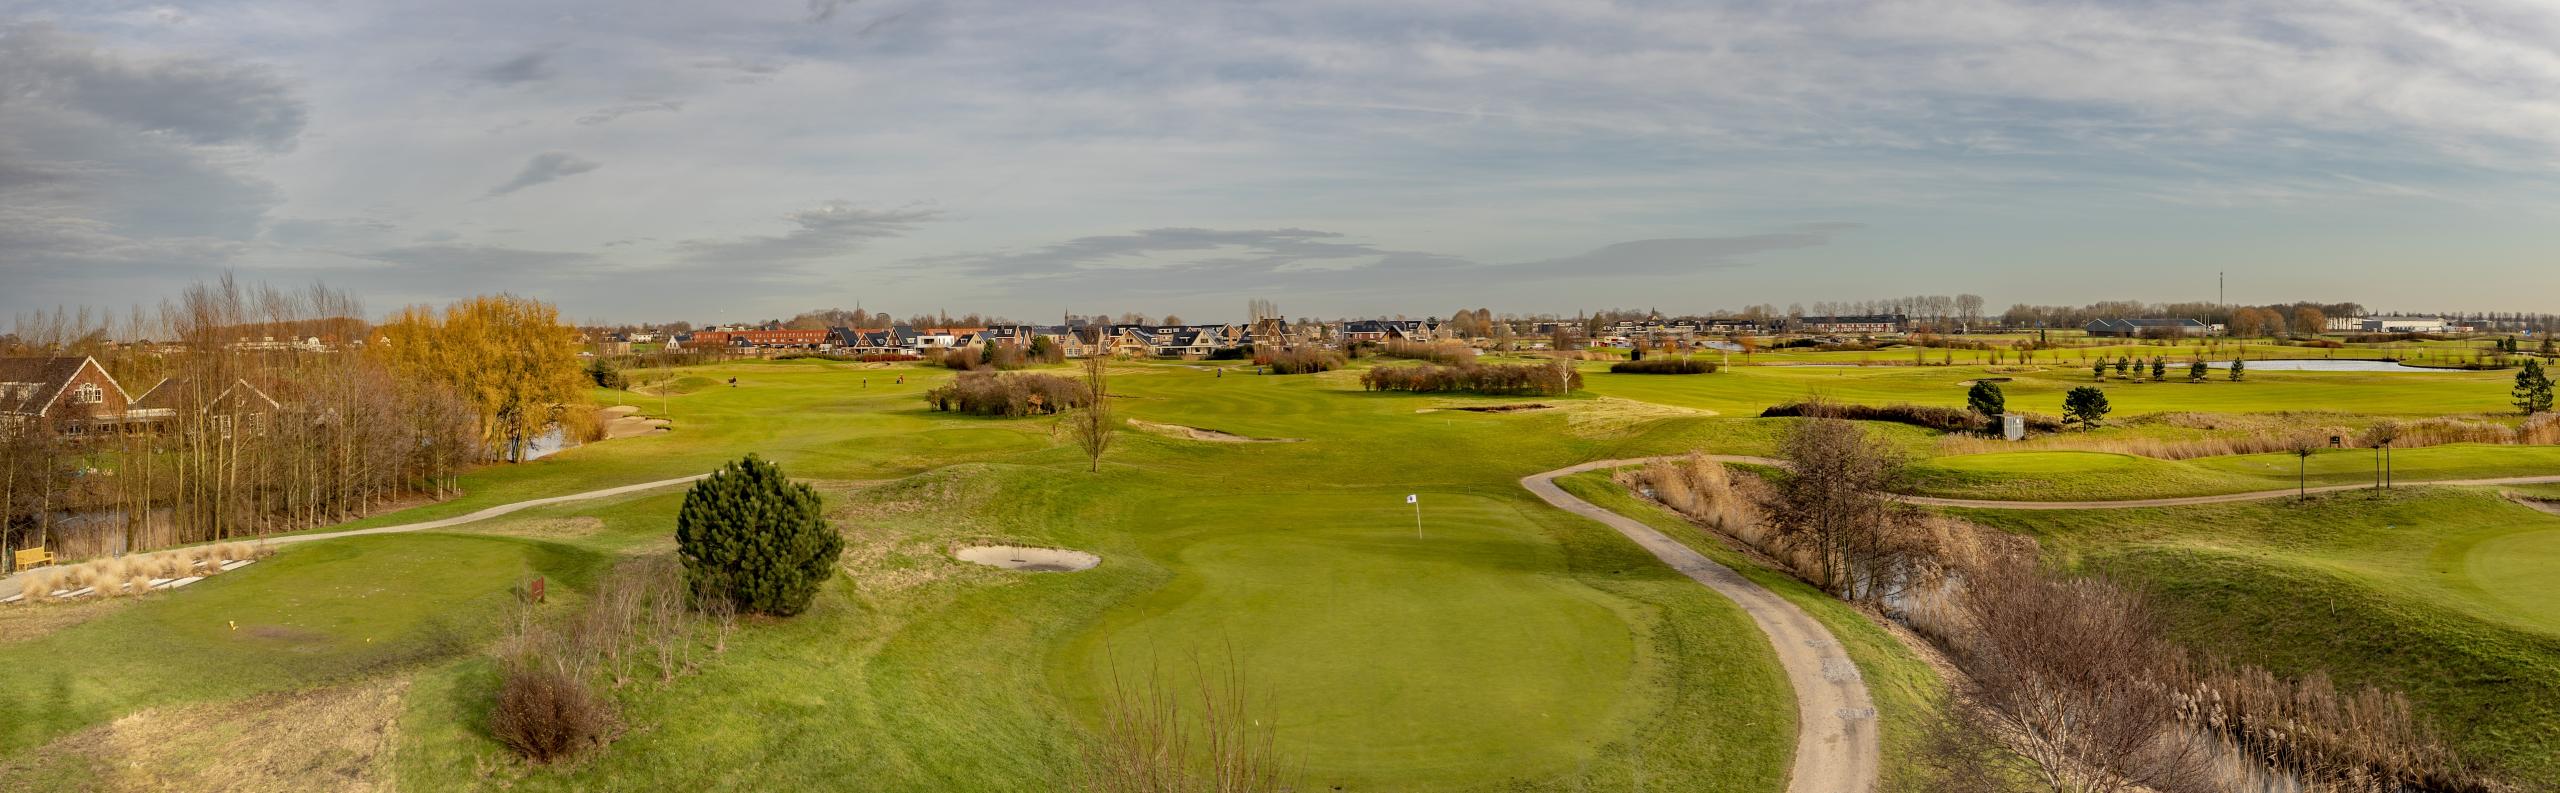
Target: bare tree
(2072, 673)
(1092, 425)
(1833, 505)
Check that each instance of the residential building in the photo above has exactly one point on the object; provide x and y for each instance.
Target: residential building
(73, 394)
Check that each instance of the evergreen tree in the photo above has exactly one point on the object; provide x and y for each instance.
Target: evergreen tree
(2195, 372)
(2533, 388)
(2085, 406)
(2099, 369)
(1986, 399)
(750, 536)
(2159, 368)
(2239, 369)
(2124, 365)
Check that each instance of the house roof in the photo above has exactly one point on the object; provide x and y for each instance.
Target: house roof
(29, 385)
(2111, 324)
(171, 393)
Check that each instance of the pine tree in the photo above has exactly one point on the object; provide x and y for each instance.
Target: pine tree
(2195, 372)
(2085, 406)
(1986, 399)
(2159, 368)
(2533, 388)
(2239, 369)
(752, 537)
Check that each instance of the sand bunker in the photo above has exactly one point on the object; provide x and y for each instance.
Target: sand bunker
(625, 421)
(1198, 434)
(1029, 560)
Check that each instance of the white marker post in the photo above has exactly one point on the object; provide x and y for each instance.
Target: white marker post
(1416, 500)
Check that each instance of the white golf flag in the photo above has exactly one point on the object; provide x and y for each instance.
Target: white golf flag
(1413, 498)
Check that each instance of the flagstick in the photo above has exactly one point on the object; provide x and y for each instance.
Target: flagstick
(1417, 519)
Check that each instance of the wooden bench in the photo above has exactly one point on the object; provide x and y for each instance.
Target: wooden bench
(31, 557)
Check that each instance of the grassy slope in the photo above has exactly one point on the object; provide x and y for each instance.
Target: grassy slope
(1744, 391)
(311, 615)
(964, 678)
(1902, 686)
(2442, 593)
(2071, 476)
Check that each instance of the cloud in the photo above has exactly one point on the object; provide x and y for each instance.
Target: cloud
(827, 230)
(544, 168)
(201, 101)
(530, 67)
(823, 10)
(1195, 261)
(607, 115)
(114, 165)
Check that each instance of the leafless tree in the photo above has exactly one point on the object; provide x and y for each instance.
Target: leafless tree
(1092, 426)
(1833, 504)
(2073, 673)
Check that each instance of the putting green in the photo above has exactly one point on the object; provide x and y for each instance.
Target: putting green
(2522, 573)
(1454, 657)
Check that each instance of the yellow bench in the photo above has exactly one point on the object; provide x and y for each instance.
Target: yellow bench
(30, 557)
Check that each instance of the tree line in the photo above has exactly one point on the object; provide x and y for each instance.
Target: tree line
(284, 409)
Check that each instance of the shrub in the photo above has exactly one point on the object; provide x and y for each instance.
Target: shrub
(1985, 398)
(606, 375)
(2085, 406)
(1444, 354)
(1663, 366)
(546, 713)
(752, 538)
(1300, 360)
(1553, 379)
(991, 394)
(1942, 419)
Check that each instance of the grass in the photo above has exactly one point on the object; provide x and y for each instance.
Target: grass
(1514, 647)
(2086, 476)
(1903, 687)
(2443, 593)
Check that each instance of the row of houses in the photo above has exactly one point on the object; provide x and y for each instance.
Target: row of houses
(1076, 340)
(77, 396)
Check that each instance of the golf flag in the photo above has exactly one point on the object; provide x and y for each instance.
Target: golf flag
(1413, 498)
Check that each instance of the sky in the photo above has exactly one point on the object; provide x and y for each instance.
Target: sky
(647, 160)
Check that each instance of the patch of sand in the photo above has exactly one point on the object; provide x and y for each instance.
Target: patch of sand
(334, 739)
(1028, 560)
(1198, 434)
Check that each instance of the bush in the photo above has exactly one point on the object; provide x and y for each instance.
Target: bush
(1554, 379)
(606, 375)
(546, 714)
(1300, 360)
(754, 540)
(1443, 354)
(886, 357)
(1663, 366)
(991, 394)
(1942, 419)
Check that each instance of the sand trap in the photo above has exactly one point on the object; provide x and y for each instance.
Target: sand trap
(1198, 434)
(1029, 560)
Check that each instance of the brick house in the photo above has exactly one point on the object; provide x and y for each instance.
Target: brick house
(73, 394)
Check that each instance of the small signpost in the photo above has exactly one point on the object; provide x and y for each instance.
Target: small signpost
(533, 591)
(1416, 500)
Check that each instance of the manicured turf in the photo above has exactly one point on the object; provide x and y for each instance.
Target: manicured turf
(1744, 391)
(2443, 593)
(1513, 647)
(310, 615)
(1904, 688)
(2078, 476)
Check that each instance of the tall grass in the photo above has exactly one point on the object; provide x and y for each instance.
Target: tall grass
(2262, 435)
(2327, 741)
(1212, 738)
(1444, 353)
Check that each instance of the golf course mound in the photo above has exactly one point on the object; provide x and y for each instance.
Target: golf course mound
(1199, 434)
(1494, 408)
(1028, 560)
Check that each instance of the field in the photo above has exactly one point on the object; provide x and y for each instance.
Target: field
(1508, 647)
(2447, 594)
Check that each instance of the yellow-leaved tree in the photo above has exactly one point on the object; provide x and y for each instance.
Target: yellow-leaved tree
(508, 356)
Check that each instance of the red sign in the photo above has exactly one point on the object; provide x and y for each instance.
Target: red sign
(534, 593)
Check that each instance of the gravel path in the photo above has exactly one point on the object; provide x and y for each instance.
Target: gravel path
(1836, 746)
